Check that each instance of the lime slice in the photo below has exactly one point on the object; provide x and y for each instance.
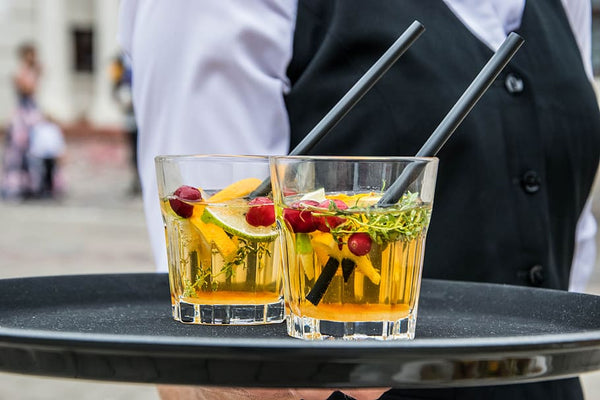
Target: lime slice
(231, 217)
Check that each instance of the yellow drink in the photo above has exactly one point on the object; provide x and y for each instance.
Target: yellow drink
(376, 290)
(211, 269)
(358, 298)
(220, 231)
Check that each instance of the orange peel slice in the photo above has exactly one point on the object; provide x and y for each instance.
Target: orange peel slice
(241, 188)
(215, 235)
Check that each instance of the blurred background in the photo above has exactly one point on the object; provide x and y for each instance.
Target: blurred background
(81, 211)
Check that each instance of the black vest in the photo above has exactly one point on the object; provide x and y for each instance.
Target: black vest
(515, 175)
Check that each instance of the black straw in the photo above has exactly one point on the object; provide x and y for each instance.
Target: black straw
(345, 104)
(454, 118)
(322, 283)
(360, 88)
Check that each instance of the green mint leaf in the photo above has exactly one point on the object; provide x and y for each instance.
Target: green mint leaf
(303, 245)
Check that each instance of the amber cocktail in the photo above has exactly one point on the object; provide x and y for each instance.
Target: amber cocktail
(352, 268)
(224, 265)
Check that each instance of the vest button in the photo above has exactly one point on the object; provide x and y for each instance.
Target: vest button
(536, 275)
(531, 182)
(513, 83)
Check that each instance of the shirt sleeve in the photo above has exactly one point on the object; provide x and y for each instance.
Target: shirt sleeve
(127, 10)
(208, 78)
(579, 13)
(584, 256)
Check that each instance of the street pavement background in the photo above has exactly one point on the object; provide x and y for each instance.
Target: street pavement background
(98, 227)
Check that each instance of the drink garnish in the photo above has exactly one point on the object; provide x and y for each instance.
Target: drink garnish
(231, 218)
(299, 216)
(236, 190)
(231, 215)
(327, 247)
(217, 223)
(215, 235)
(359, 243)
(304, 250)
(350, 241)
(405, 221)
(261, 212)
(246, 250)
(178, 200)
(324, 224)
(316, 195)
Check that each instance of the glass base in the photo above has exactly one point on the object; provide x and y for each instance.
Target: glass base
(229, 314)
(318, 329)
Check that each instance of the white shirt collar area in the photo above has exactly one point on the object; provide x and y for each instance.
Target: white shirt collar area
(490, 20)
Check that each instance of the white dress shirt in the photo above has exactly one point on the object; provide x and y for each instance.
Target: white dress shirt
(209, 77)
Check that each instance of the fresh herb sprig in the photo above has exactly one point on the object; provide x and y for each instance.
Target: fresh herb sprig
(202, 282)
(405, 221)
(245, 248)
(204, 276)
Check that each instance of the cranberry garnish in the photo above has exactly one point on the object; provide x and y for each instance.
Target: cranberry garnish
(299, 218)
(325, 223)
(261, 212)
(182, 208)
(359, 243)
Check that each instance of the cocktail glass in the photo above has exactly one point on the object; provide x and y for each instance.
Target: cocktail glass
(224, 266)
(351, 268)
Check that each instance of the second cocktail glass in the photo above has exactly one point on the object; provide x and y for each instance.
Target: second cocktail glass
(352, 269)
(223, 261)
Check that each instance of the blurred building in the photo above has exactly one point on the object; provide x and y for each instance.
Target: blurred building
(76, 41)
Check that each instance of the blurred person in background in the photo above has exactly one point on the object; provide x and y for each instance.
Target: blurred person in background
(514, 181)
(17, 179)
(46, 150)
(120, 73)
(27, 76)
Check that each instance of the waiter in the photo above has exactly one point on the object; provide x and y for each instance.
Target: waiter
(512, 199)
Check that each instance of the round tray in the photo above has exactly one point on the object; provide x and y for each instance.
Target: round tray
(119, 328)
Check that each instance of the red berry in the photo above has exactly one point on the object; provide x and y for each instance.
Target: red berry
(299, 218)
(359, 243)
(182, 208)
(325, 223)
(261, 212)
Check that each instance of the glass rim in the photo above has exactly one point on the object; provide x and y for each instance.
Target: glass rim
(257, 157)
(191, 157)
(356, 158)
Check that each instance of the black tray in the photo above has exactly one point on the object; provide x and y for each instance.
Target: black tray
(119, 328)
